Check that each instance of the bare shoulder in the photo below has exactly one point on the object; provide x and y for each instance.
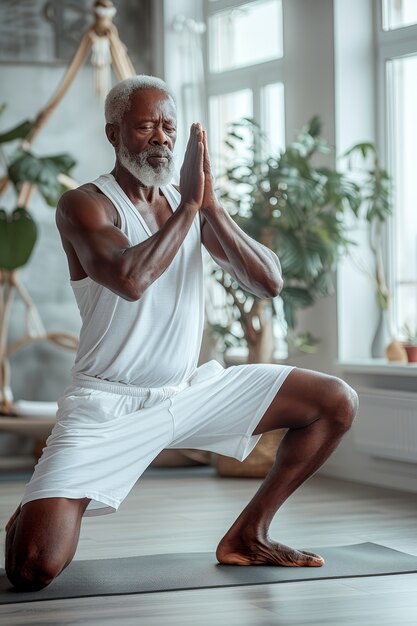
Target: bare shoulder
(84, 207)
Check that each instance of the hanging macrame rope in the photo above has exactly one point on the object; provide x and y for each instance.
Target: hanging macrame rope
(102, 28)
(101, 62)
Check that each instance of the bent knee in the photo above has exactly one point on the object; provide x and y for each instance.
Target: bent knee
(341, 404)
(32, 575)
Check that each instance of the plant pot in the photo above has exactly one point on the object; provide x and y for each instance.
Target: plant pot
(395, 352)
(411, 351)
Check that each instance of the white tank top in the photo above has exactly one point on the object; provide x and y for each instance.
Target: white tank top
(155, 341)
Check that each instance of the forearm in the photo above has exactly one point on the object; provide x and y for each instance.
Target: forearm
(137, 267)
(255, 266)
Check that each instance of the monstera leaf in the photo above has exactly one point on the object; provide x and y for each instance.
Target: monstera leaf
(21, 131)
(18, 234)
(43, 172)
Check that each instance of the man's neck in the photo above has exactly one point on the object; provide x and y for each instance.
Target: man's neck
(135, 190)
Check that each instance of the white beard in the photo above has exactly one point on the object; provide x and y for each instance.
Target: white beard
(140, 168)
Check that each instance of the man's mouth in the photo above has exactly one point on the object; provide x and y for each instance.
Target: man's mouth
(158, 159)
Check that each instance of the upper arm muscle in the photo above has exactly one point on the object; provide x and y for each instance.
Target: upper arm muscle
(86, 223)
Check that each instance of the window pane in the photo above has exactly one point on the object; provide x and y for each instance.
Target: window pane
(399, 13)
(403, 96)
(273, 117)
(223, 110)
(244, 35)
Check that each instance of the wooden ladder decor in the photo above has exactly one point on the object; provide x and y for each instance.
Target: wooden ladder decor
(101, 40)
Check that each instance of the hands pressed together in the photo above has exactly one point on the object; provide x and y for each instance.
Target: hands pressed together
(196, 179)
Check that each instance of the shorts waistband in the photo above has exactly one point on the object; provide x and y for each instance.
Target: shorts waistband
(82, 380)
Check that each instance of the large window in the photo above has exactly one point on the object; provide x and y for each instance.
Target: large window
(398, 88)
(244, 70)
(245, 34)
(402, 86)
(398, 13)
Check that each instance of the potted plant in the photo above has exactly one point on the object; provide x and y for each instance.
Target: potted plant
(410, 343)
(296, 207)
(18, 235)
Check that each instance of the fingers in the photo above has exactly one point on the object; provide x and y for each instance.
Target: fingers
(192, 170)
(195, 137)
(207, 163)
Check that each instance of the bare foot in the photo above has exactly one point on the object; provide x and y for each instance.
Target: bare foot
(265, 552)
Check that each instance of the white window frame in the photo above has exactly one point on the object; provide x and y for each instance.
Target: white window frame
(390, 44)
(253, 77)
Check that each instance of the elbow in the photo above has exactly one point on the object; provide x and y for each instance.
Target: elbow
(130, 291)
(269, 288)
(273, 288)
(275, 280)
(266, 292)
(128, 288)
(277, 287)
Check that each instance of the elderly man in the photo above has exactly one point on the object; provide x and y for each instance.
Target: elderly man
(133, 242)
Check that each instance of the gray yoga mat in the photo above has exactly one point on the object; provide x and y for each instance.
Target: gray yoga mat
(172, 572)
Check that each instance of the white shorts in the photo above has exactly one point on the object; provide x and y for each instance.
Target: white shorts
(107, 434)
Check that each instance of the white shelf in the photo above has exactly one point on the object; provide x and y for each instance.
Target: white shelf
(378, 366)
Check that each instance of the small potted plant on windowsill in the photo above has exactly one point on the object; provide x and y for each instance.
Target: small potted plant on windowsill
(410, 343)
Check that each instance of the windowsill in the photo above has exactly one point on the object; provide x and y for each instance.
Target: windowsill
(239, 356)
(378, 366)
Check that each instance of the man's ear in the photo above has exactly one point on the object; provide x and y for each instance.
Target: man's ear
(112, 132)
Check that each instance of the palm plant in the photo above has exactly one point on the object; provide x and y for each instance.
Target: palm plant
(294, 206)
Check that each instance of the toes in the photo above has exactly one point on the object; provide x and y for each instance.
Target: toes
(311, 559)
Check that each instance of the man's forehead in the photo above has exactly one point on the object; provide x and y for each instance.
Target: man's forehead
(152, 102)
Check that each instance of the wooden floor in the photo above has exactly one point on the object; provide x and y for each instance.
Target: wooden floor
(189, 510)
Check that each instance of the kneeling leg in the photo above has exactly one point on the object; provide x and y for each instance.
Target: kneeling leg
(41, 540)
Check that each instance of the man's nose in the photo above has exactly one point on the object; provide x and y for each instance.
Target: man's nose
(159, 138)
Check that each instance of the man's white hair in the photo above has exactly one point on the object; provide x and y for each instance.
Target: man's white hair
(119, 97)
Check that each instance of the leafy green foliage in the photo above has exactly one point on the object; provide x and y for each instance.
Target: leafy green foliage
(21, 131)
(41, 171)
(377, 207)
(376, 187)
(296, 204)
(18, 231)
(18, 234)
